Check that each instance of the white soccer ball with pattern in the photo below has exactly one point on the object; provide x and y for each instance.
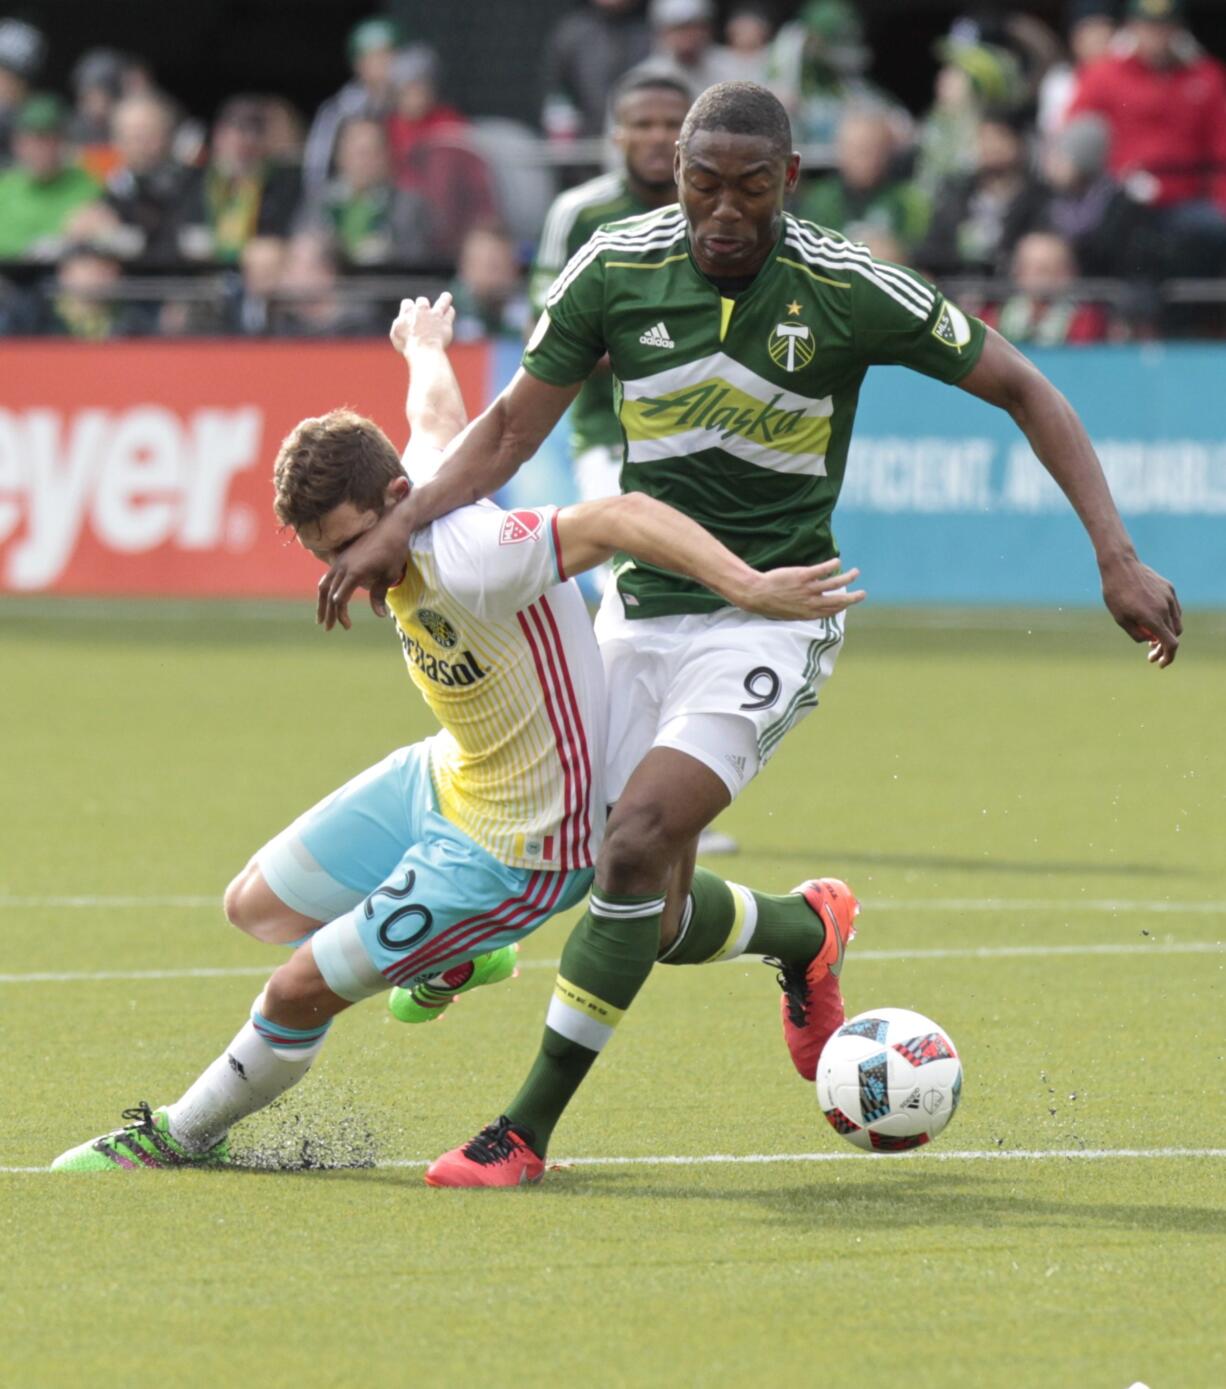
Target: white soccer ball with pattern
(889, 1080)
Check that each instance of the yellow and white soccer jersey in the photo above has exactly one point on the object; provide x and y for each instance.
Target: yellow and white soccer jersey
(501, 647)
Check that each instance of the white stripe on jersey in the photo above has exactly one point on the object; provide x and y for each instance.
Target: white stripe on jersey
(840, 250)
(844, 257)
(658, 237)
(551, 254)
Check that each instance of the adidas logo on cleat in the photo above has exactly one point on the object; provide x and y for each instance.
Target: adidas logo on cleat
(657, 337)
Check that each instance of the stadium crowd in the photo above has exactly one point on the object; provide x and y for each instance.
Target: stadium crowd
(1069, 185)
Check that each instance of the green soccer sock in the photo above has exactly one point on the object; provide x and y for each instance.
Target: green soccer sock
(723, 920)
(604, 964)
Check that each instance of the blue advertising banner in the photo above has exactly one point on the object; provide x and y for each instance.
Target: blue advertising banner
(944, 502)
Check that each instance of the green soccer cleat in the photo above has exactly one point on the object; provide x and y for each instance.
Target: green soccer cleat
(143, 1142)
(429, 999)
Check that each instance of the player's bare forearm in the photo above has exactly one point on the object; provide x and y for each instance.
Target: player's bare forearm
(654, 533)
(477, 462)
(434, 407)
(1141, 601)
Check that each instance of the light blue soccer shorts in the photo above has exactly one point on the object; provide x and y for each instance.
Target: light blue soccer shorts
(406, 894)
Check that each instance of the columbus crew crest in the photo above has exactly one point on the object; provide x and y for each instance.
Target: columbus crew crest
(791, 346)
(439, 628)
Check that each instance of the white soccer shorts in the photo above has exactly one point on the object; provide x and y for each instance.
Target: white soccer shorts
(724, 687)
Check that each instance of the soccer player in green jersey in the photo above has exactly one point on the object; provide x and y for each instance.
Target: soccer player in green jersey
(738, 337)
(648, 109)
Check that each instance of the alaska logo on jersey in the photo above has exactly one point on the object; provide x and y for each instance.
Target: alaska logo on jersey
(714, 405)
(439, 628)
(449, 674)
(791, 346)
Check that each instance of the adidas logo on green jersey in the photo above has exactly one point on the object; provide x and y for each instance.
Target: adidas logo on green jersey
(657, 337)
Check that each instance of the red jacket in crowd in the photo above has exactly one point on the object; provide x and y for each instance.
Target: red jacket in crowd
(1169, 122)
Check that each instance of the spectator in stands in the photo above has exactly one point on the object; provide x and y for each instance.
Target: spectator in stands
(1165, 101)
(97, 84)
(433, 156)
(817, 71)
(488, 290)
(239, 193)
(261, 267)
(683, 43)
(133, 219)
(864, 194)
(1042, 309)
(747, 35)
(22, 52)
(1110, 233)
(39, 194)
(82, 301)
(284, 132)
(586, 53)
(371, 46)
(371, 221)
(1092, 24)
(979, 217)
(312, 303)
(974, 76)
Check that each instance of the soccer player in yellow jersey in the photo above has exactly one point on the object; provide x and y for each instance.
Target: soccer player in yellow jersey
(455, 848)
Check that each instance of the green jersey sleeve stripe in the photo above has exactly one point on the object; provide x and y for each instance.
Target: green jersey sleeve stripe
(901, 288)
(659, 239)
(564, 213)
(839, 247)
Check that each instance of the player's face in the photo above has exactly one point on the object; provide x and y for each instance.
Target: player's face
(337, 529)
(648, 123)
(732, 188)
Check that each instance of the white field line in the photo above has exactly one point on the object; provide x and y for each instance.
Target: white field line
(1069, 905)
(985, 952)
(923, 1155)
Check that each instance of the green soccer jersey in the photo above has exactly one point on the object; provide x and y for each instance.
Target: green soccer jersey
(573, 218)
(739, 411)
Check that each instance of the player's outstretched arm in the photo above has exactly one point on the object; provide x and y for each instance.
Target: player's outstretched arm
(477, 462)
(591, 532)
(1141, 601)
(433, 406)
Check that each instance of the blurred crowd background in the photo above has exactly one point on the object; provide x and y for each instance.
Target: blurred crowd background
(1063, 174)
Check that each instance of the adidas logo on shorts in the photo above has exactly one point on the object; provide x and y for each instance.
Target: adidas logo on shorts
(657, 337)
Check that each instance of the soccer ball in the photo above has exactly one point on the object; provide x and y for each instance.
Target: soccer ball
(889, 1080)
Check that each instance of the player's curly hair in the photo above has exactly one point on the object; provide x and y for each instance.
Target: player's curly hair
(740, 108)
(329, 459)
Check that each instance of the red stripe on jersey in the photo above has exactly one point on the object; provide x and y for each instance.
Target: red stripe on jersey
(574, 753)
(557, 546)
(551, 692)
(585, 756)
(470, 932)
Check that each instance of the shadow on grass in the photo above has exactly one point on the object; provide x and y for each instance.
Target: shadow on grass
(899, 1203)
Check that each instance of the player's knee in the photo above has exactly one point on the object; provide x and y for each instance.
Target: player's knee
(251, 906)
(295, 992)
(638, 850)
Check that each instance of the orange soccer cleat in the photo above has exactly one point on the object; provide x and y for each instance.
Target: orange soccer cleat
(812, 1005)
(500, 1155)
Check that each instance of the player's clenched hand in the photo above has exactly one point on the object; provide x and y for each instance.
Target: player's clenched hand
(420, 323)
(818, 590)
(1145, 606)
(375, 561)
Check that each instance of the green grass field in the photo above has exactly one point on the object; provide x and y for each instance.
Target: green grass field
(1035, 821)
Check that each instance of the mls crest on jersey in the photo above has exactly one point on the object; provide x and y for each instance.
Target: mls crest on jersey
(791, 346)
(951, 327)
(520, 526)
(439, 628)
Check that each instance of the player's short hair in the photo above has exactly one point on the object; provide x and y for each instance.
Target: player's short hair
(647, 80)
(740, 108)
(329, 459)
